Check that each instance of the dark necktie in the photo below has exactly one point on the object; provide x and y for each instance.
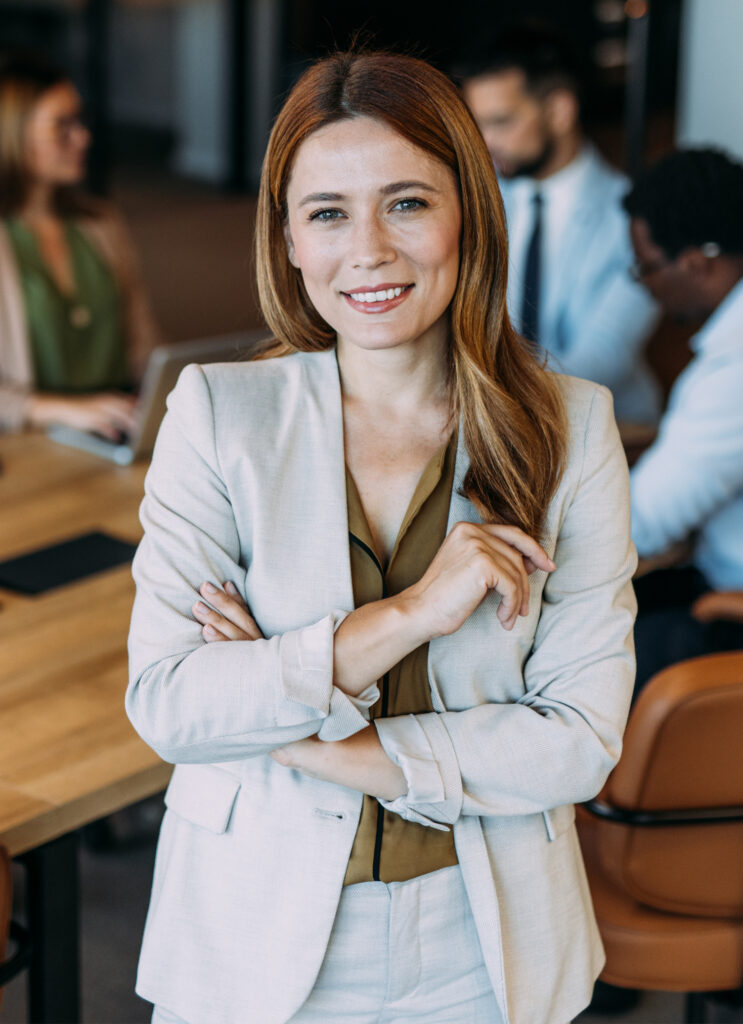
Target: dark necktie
(530, 300)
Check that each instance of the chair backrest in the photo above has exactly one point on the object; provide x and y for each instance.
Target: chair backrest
(683, 750)
(6, 901)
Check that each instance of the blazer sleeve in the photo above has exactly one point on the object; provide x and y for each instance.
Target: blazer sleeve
(608, 316)
(695, 467)
(197, 702)
(608, 337)
(557, 744)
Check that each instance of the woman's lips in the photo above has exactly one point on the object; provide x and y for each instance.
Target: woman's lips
(378, 305)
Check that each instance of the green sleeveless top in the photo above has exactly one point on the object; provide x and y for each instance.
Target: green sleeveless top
(77, 341)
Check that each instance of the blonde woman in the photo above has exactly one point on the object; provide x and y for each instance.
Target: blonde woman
(383, 616)
(75, 326)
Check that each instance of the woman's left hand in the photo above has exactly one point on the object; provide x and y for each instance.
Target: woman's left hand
(228, 618)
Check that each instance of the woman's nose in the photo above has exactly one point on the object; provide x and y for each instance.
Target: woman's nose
(371, 244)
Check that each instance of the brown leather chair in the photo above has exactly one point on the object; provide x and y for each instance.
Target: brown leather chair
(663, 842)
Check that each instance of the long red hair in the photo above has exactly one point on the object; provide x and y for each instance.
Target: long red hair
(511, 407)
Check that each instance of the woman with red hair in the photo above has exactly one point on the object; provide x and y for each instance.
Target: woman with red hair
(383, 616)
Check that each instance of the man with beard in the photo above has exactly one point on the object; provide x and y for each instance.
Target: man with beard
(569, 285)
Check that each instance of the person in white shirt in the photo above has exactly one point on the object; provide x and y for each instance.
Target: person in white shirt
(568, 288)
(687, 233)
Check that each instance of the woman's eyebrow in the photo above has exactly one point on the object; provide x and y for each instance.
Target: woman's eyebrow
(404, 186)
(387, 190)
(322, 197)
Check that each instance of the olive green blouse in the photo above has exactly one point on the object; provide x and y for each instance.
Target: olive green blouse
(77, 340)
(389, 848)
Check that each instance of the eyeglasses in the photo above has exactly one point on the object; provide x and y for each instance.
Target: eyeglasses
(638, 271)
(66, 127)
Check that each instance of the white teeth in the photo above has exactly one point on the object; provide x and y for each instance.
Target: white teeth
(381, 296)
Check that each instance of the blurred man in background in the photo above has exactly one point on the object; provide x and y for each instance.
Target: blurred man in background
(687, 233)
(569, 287)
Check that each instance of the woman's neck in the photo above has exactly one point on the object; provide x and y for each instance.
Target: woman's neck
(412, 377)
(39, 204)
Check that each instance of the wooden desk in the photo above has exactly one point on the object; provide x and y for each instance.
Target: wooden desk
(68, 753)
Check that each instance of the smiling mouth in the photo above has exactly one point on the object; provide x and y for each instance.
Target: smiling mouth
(379, 300)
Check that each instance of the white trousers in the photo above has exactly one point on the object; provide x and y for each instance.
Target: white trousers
(403, 952)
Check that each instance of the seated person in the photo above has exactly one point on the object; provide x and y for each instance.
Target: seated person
(75, 328)
(687, 232)
(568, 286)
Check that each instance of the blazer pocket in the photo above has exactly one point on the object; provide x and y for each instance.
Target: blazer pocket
(558, 820)
(203, 795)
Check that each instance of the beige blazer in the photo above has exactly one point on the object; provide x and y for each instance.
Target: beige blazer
(110, 236)
(248, 483)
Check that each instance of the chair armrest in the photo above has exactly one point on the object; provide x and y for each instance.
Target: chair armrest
(659, 819)
(719, 604)
(22, 956)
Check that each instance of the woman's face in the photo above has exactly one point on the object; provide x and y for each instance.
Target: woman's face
(373, 225)
(56, 140)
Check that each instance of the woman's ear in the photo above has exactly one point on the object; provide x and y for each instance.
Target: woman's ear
(290, 246)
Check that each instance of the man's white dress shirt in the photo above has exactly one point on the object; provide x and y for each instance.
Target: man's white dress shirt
(691, 479)
(593, 319)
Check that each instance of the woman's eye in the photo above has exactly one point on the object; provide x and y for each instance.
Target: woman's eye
(407, 205)
(325, 215)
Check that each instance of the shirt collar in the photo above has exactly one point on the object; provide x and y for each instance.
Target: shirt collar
(723, 330)
(564, 187)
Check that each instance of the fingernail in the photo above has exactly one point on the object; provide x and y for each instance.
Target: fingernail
(229, 585)
(200, 607)
(209, 588)
(210, 630)
(552, 564)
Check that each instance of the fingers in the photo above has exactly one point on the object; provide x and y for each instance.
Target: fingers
(212, 635)
(523, 543)
(513, 587)
(508, 575)
(99, 422)
(124, 416)
(226, 617)
(109, 414)
(119, 411)
(511, 556)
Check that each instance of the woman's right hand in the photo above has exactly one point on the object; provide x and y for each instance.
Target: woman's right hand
(109, 413)
(474, 559)
(226, 616)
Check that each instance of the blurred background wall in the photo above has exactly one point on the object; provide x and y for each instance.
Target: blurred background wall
(181, 95)
(711, 75)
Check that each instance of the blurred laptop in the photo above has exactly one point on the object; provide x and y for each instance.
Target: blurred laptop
(164, 366)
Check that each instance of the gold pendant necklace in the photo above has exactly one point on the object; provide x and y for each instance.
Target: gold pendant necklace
(80, 316)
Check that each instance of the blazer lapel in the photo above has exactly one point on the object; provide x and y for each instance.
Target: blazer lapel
(298, 487)
(331, 480)
(460, 511)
